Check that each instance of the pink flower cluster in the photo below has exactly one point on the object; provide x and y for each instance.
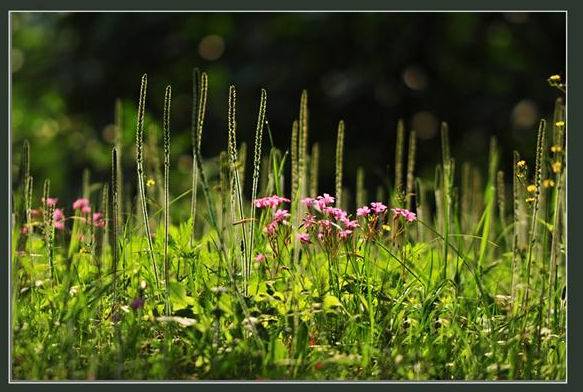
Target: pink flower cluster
(59, 219)
(279, 218)
(50, 201)
(270, 201)
(376, 207)
(83, 205)
(319, 203)
(325, 221)
(98, 220)
(58, 214)
(410, 216)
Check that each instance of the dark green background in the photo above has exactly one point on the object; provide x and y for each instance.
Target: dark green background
(483, 73)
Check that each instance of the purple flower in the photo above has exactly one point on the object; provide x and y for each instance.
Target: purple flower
(260, 258)
(344, 234)
(350, 225)
(363, 211)
(98, 220)
(137, 303)
(281, 215)
(304, 238)
(271, 228)
(378, 207)
(410, 216)
(50, 201)
(308, 201)
(81, 204)
(309, 221)
(270, 201)
(59, 219)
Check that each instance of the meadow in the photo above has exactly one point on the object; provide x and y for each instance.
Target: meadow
(457, 277)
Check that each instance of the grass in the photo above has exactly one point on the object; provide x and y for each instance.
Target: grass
(469, 290)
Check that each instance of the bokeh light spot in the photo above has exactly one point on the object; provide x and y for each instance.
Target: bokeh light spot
(211, 47)
(415, 78)
(524, 114)
(425, 125)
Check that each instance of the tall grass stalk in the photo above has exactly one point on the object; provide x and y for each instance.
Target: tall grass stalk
(490, 200)
(360, 188)
(24, 174)
(199, 97)
(236, 193)
(501, 193)
(24, 218)
(114, 219)
(294, 159)
(303, 145)
(314, 167)
(559, 129)
(118, 143)
(339, 162)
(411, 169)
(49, 227)
(399, 153)
(256, 171)
(140, 172)
(423, 210)
(102, 241)
(535, 207)
(167, 105)
(446, 193)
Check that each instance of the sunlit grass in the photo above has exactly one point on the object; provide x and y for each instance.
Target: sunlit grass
(294, 286)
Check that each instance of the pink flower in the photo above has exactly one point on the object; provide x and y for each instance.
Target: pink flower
(325, 223)
(378, 207)
(82, 204)
(98, 220)
(24, 230)
(326, 198)
(320, 235)
(344, 234)
(308, 201)
(270, 201)
(410, 216)
(50, 201)
(309, 221)
(350, 225)
(271, 228)
(337, 213)
(363, 211)
(304, 238)
(281, 215)
(260, 258)
(59, 219)
(323, 201)
(34, 213)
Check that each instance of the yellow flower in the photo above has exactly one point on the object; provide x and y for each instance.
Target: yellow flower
(521, 164)
(548, 183)
(555, 78)
(150, 183)
(531, 188)
(556, 166)
(530, 200)
(556, 148)
(560, 123)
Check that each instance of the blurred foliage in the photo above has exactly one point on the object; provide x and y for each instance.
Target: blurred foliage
(483, 73)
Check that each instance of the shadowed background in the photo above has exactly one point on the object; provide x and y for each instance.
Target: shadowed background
(483, 73)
